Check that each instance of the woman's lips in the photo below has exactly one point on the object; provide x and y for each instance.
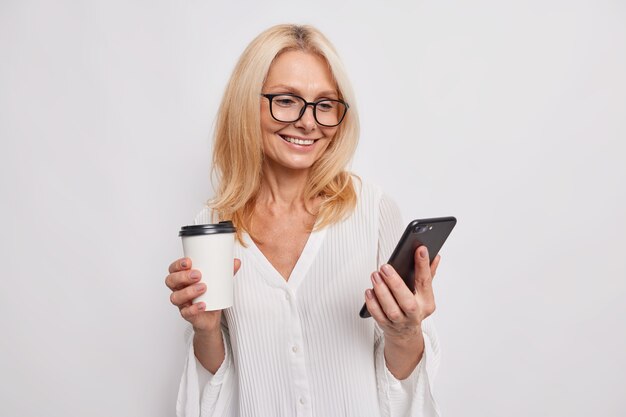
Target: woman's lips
(298, 141)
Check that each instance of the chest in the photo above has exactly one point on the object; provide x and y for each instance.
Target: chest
(329, 280)
(282, 242)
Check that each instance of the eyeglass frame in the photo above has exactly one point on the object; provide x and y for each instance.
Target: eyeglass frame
(270, 97)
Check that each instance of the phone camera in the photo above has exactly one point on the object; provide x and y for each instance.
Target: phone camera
(421, 228)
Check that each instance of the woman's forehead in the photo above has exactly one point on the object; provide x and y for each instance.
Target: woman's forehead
(300, 72)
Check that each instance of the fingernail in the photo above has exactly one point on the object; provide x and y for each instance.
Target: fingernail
(387, 269)
(183, 264)
(369, 294)
(423, 252)
(201, 306)
(199, 287)
(195, 275)
(376, 278)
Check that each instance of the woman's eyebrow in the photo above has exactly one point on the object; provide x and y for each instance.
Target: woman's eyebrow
(325, 93)
(328, 93)
(283, 86)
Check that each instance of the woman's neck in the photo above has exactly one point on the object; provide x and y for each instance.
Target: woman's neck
(282, 188)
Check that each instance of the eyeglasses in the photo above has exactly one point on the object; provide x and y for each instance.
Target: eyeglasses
(289, 108)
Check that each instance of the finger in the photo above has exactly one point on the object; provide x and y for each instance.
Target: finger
(402, 294)
(423, 278)
(180, 265)
(376, 311)
(237, 265)
(187, 294)
(386, 300)
(434, 266)
(182, 279)
(192, 310)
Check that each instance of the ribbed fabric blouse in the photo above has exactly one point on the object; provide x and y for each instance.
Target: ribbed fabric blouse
(299, 347)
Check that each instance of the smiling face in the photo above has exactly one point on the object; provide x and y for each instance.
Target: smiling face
(297, 145)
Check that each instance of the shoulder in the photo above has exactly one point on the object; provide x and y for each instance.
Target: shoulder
(373, 195)
(382, 208)
(367, 191)
(204, 215)
(374, 207)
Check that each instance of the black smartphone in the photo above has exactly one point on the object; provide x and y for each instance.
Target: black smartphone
(431, 233)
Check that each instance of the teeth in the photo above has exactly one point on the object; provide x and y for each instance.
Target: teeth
(299, 141)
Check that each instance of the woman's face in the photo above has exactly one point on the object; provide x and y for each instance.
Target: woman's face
(308, 76)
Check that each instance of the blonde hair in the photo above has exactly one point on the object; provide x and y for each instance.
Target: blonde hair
(238, 151)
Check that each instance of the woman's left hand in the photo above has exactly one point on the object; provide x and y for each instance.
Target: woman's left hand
(395, 308)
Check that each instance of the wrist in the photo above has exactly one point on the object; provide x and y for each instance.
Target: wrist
(207, 334)
(412, 338)
(403, 353)
(209, 349)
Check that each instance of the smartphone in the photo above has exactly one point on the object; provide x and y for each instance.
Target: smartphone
(431, 233)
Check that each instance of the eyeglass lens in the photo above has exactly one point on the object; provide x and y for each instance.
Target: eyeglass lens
(288, 108)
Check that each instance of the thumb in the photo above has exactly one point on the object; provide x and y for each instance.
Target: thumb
(423, 277)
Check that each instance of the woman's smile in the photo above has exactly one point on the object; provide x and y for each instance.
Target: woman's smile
(300, 143)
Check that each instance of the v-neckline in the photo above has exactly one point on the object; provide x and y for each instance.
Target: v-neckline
(302, 266)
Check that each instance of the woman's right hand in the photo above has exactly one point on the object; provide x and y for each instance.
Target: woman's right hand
(185, 285)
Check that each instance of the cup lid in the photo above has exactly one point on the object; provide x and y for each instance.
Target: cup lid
(207, 229)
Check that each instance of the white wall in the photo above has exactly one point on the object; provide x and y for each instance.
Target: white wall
(508, 115)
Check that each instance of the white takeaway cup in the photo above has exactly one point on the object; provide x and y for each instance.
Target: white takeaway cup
(210, 248)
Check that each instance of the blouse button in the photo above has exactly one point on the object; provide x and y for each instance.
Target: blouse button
(302, 401)
(294, 349)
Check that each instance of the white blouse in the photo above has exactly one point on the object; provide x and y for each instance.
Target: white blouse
(299, 347)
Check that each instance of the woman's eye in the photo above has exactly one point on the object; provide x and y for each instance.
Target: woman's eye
(285, 101)
(325, 105)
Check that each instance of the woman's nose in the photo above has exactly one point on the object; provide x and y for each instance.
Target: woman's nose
(307, 121)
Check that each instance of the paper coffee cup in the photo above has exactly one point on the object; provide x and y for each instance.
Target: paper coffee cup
(210, 248)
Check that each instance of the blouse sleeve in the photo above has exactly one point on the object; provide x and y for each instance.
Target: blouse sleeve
(201, 393)
(413, 396)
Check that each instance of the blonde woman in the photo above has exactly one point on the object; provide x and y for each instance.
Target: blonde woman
(312, 241)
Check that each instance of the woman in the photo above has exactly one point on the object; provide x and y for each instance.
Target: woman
(309, 237)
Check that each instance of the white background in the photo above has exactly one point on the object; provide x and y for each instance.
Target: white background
(509, 115)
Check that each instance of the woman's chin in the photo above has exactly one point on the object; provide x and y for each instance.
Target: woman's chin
(290, 164)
